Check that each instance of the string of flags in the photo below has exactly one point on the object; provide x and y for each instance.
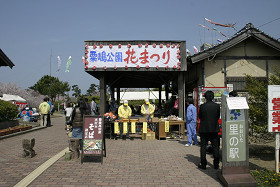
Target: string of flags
(68, 64)
(215, 29)
(58, 64)
(222, 25)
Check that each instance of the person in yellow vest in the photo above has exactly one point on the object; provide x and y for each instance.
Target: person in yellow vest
(147, 110)
(44, 109)
(124, 112)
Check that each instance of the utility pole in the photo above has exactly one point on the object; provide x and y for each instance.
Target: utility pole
(51, 63)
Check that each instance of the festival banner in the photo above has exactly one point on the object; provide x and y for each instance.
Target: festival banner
(141, 55)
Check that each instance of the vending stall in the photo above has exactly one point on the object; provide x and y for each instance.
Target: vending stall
(137, 64)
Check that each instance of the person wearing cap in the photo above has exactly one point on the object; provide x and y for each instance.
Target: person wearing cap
(124, 112)
(147, 109)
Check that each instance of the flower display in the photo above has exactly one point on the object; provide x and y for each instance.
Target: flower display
(178, 56)
(129, 45)
(110, 46)
(161, 45)
(86, 46)
(179, 63)
(178, 45)
(140, 45)
(137, 66)
(154, 45)
(147, 66)
(178, 67)
(167, 45)
(120, 45)
(157, 67)
(94, 67)
(101, 46)
(86, 67)
(105, 67)
(166, 67)
(115, 67)
(178, 51)
(94, 46)
(126, 67)
(146, 45)
(173, 45)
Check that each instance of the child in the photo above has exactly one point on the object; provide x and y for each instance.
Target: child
(68, 113)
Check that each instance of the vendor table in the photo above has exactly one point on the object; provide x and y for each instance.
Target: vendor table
(161, 128)
(109, 127)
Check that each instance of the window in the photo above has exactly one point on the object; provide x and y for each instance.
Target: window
(239, 82)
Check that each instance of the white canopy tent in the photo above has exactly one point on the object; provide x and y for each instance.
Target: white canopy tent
(151, 95)
(16, 98)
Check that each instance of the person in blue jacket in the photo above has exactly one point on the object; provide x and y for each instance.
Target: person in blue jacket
(191, 123)
(26, 114)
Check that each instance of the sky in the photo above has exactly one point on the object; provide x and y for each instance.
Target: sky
(34, 32)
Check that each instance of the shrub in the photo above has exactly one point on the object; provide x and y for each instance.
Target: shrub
(8, 111)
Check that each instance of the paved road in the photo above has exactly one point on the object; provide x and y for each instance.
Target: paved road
(128, 163)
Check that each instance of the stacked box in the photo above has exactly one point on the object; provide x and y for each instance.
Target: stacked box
(149, 136)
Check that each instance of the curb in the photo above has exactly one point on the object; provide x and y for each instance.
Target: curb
(22, 132)
(37, 172)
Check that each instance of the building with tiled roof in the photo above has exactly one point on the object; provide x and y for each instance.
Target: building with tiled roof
(250, 51)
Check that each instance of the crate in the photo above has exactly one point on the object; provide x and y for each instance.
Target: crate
(141, 120)
(149, 136)
(155, 120)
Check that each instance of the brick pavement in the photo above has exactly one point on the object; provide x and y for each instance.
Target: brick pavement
(128, 163)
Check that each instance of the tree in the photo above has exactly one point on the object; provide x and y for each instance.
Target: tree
(51, 86)
(76, 90)
(32, 97)
(257, 100)
(92, 91)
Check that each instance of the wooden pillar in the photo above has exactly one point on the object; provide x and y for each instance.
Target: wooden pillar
(181, 95)
(225, 73)
(159, 96)
(166, 91)
(118, 95)
(102, 84)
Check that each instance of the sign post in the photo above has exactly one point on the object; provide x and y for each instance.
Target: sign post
(235, 150)
(93, 137)
(274, 118)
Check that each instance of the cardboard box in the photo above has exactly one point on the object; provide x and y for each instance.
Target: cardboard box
(141, 120)
(155, 120)
(149, 136)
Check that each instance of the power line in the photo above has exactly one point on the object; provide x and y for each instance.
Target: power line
(268, 22)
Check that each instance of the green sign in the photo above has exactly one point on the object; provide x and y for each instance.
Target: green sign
(236, 141)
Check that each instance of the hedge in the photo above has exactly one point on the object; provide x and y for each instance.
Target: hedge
(8, 111)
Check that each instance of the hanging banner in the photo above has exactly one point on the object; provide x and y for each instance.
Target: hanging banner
(124, 127)
(145, 125)
(273, 108)
(133, 127)
(116, 128)
(141, 55)
(166, 126)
